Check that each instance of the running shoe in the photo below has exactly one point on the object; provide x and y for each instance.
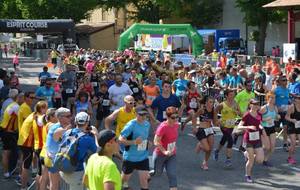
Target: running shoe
(216, 155)
(18, 181)
(6, 175)
(291, 160)
(204, 166)
(285, 147)
(242, 149)
(228, 163)
(249, 179)
(152, 173)
(267, 164)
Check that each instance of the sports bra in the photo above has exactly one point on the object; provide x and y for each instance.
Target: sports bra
(207, 116)
(296, 114)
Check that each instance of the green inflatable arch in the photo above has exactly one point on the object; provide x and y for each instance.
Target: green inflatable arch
(168, 29)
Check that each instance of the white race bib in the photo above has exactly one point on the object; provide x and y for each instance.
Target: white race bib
(95, 84)
(164, 115)
(69, 91)
(142, 146)
(297, 124)
(193, 104)
(283, 108)
(151, 98)
(230, 122)
(135, 90)
(171, 147)
(208, 131)
(254, 136)
(181, 93)
(105, 102)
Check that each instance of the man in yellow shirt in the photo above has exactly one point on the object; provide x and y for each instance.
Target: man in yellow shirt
(25, 108)
(101, 172)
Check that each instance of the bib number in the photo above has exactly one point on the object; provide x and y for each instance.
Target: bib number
(230, 122)
(208, 131)
(297, 124)
(151, 98)
(135, 90)
(193, 105)
(164, 115)
(171, 147)
(254, 136)
(69, 91)
(105, 102)
(142, 146)
(95, 84)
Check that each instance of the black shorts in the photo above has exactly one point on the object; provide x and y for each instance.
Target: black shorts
(66, 95)
(201, 134)
(54, 61)
(37, 154)
(128, 166)
(9, 140)
(281, 120)
(27, 156)
(270, 130)
(254, 146)
(292, 130)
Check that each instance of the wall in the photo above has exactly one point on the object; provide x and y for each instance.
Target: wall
(104, 39)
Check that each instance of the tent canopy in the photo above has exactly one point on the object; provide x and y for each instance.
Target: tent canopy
(168, 29)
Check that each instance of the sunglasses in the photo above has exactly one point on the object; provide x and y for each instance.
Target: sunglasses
(142, 114)
(283, 80)
(131, 103)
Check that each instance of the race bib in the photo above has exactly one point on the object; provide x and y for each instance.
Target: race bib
(49, 98)
(164, 115)
(181, 93)
(151, 98)
(283, 108)
(193, 104)
(297, 124)
(254, 136)
(171, 146)
(56, 94)
(230, 122)
(142, 146)
(222, 92)
(95, 84)
(208, 131)
(105, 102)
(135, 90)
(69, 91)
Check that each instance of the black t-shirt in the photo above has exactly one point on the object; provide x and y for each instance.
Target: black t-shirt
(103, 106)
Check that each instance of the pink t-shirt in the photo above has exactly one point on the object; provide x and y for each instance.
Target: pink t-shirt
(16, 60)
(252, 136)
(169, 135)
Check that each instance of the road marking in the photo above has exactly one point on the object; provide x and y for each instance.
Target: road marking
(295, 168)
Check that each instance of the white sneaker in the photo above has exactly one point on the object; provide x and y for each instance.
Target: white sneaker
(6, 175)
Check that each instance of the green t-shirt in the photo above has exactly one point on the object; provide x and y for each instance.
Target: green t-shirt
(242, 99)
(101, 169)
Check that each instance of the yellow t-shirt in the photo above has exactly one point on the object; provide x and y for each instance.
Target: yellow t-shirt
(228, 116)
(123, 118)
(101, 169)
(26, 132)
(37, 126)
(10, 118)
(24, 112)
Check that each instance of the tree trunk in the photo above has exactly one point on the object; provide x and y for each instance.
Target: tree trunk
(260, 44)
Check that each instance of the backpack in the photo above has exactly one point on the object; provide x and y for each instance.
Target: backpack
(65, 159)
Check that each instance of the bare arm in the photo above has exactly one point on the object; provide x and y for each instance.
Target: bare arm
(288, 114)
(85, 181)
(109, 186)
(57, 135)
(110, 119)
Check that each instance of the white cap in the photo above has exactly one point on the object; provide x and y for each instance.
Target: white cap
(82, 118)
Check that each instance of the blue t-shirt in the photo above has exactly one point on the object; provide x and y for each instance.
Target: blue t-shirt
(281, 96)
(86, 147)
(52, 146)
(224, 82)
(181, 86)
(294, 88)
(47, 93)
(136, 153)
(161, 104)
(44, 75)
(235, 81)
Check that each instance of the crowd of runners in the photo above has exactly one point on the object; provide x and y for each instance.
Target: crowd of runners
(108, 106)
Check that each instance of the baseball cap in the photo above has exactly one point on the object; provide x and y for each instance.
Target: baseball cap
(82, 118)
(61, 111)
(141, 110)
(105, 136)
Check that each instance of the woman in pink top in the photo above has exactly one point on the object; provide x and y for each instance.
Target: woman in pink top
(16, 60)
(164, 154)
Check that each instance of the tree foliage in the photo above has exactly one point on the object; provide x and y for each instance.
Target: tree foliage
(256, 15)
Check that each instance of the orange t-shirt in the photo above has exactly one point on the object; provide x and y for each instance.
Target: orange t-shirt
(289, 68)
(275, 69)
(151, 93)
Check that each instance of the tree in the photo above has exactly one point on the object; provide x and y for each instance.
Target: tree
(256, 15)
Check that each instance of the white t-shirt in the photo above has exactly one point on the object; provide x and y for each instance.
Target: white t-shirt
(117, 94)
(268, 83)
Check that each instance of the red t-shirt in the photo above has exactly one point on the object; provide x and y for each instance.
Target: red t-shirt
(192, 100)
(168, 135)
(252, 136)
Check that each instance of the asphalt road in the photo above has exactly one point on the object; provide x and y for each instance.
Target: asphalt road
(190, 175)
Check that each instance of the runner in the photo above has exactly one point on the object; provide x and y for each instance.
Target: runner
(180, 85)
(151, 91)
(101, 172)
(229, 113)
(46, 92)
(269, 115)
(164, 155)
(204, 131)
(44, 75)
(135, 85)
(82, 104)
(250, 123)
(135, 137)
(293, 130)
